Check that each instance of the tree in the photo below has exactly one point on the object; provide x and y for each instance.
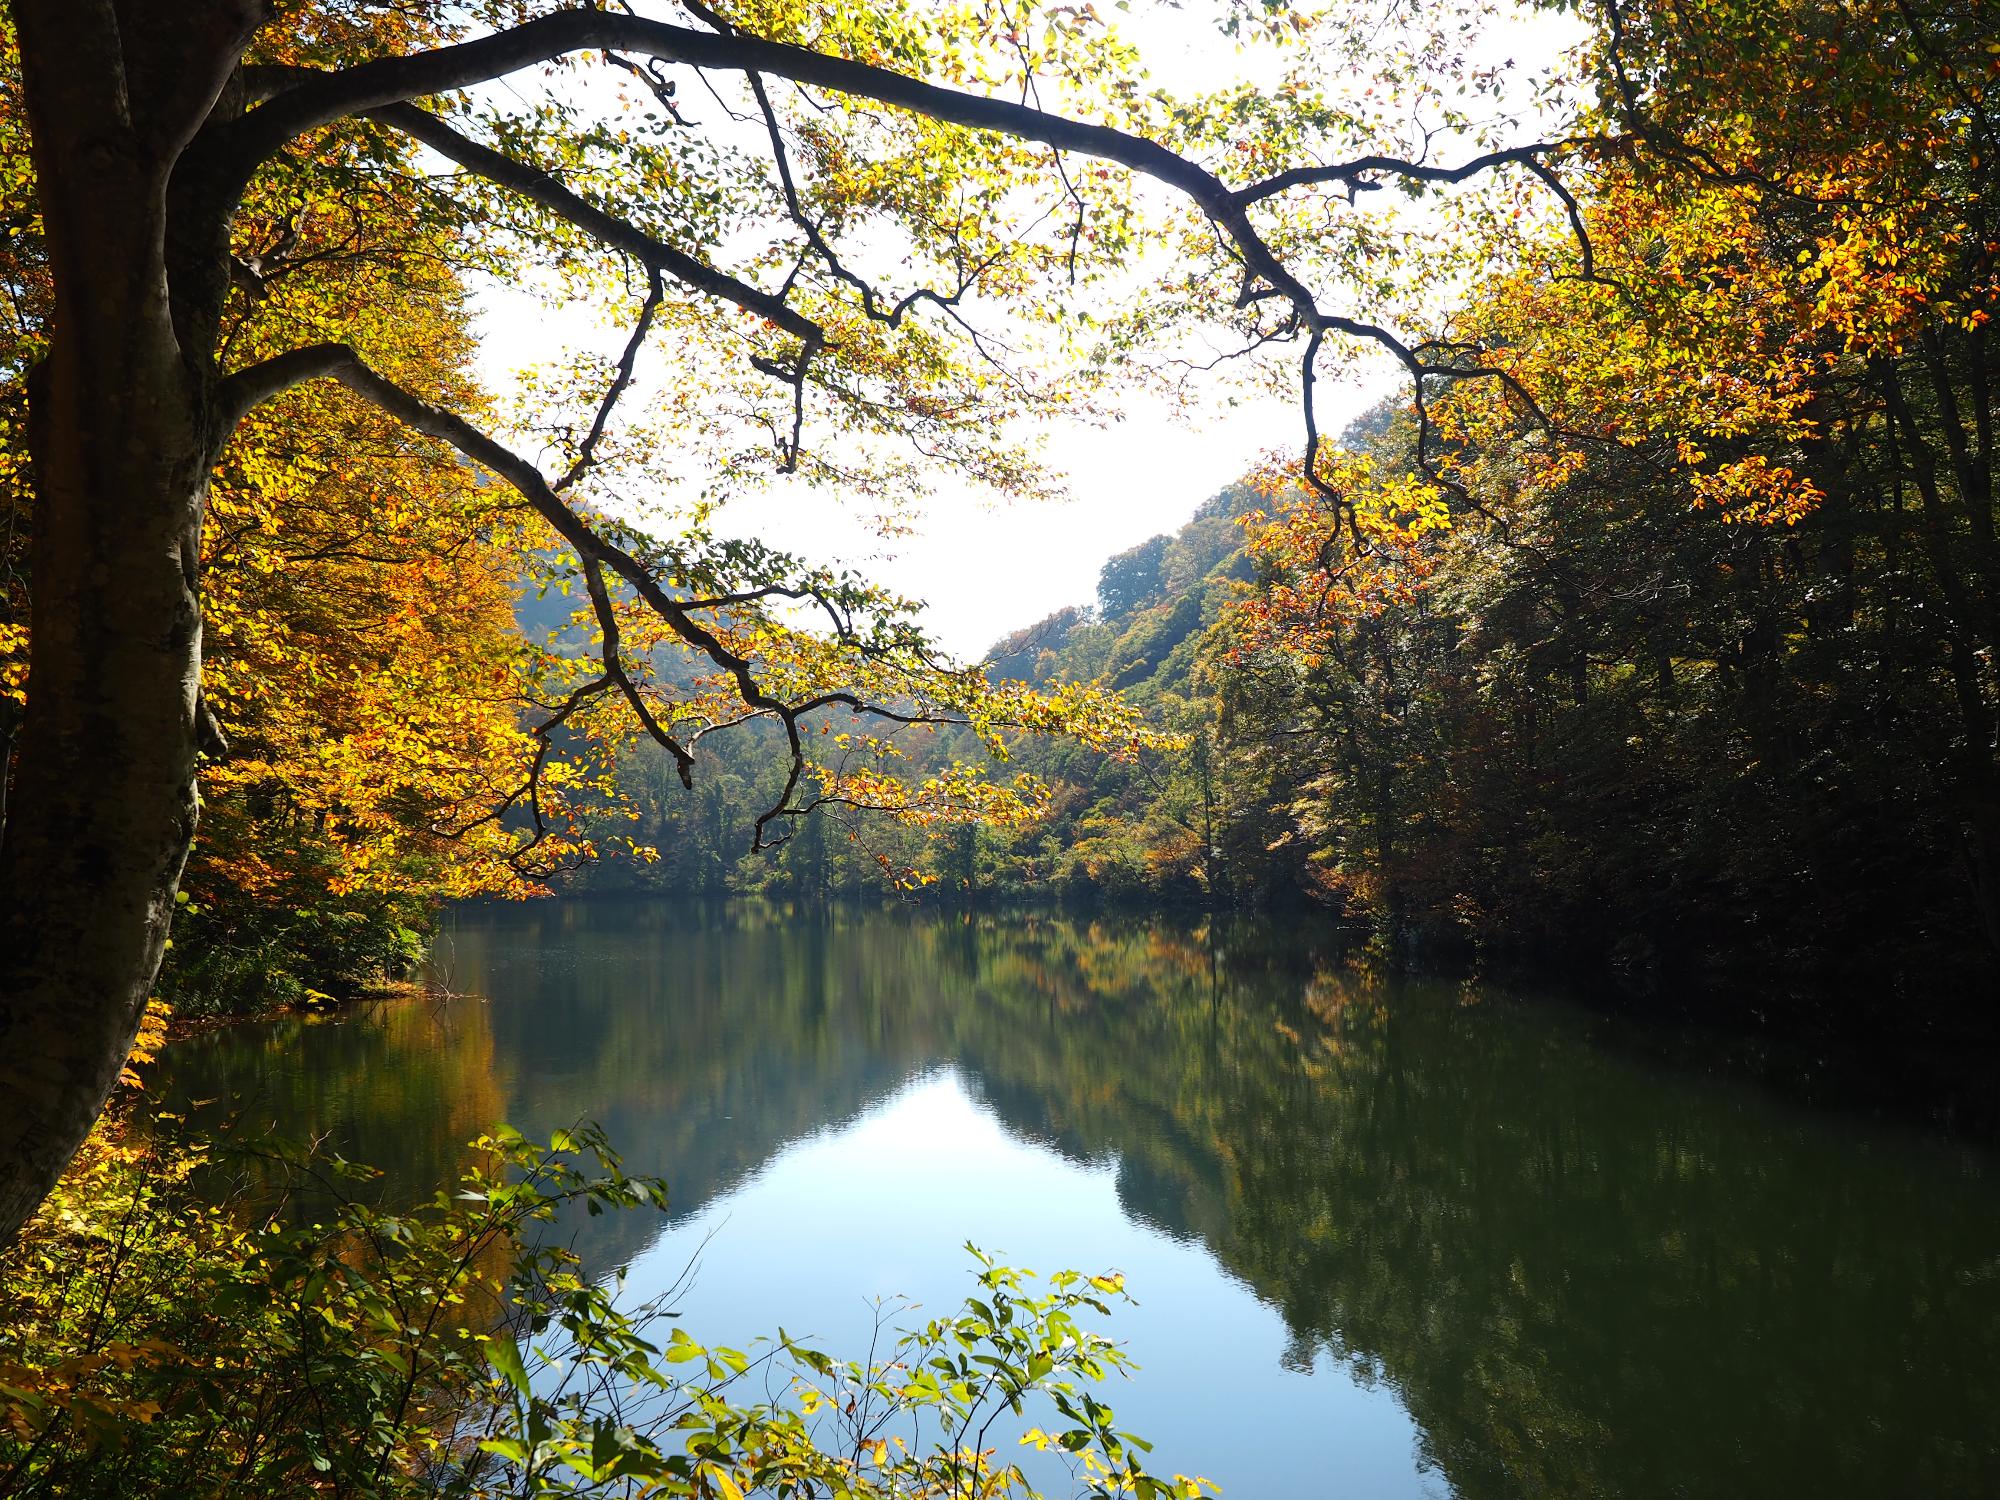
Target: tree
(158, 132)
(1132, 580)
(1693, 648)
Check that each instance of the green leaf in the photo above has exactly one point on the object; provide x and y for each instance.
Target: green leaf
(505, 1356)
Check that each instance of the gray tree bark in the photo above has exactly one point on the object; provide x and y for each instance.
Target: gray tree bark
(103, 805)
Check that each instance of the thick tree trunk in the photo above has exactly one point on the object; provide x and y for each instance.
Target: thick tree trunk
(103, 804)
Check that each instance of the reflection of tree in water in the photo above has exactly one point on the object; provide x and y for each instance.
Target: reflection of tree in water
(403, 1084)
(1584, 1275)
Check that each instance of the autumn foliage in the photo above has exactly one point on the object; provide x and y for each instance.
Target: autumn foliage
(1674, 624)
(366, 690)
(377, 733)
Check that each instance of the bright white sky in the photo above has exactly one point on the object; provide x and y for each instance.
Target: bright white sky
(987, 567)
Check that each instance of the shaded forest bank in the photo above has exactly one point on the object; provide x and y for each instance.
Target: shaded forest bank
(1664, 640)
(1460, 783)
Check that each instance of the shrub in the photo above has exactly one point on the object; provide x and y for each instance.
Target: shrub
(301, 948)
(160, 1337)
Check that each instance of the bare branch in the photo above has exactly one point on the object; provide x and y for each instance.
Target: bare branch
(255, 384)
(1360, 174)
(539, 187)
(614, 668)
(586, 452)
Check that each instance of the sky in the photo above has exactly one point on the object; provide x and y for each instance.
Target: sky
(984, 566)
(987, 567)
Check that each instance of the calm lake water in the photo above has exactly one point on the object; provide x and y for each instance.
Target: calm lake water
(1388, 1238)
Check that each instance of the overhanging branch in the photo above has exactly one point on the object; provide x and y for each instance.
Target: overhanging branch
(540, 188)
(382, 89)
(1361, 173)
(597, 556)
(374, 86)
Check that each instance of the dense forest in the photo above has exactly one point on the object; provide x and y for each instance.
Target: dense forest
(1590, 694)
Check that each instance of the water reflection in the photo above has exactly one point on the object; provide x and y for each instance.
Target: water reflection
(1577, 1272)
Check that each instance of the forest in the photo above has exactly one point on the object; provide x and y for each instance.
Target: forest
(1647, 624)
(1686, 671)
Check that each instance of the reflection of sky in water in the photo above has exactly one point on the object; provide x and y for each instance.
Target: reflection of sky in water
(883, 1207)
(1581, 1269)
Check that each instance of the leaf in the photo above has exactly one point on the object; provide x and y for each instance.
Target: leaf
(505, 1356)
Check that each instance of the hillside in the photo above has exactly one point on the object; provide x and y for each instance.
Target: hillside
(1143, 830)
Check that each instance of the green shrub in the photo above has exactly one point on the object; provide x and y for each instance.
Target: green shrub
(243, 957)
(156, 1341)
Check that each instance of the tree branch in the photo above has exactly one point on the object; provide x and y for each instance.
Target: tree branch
(371, 87)
(614, 668)
(253, 385)
(1358, 174)
(586, 451)
(539, 187)
(380, 89)
(596, 555)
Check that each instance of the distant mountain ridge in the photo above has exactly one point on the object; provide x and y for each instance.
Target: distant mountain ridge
(1153, 601)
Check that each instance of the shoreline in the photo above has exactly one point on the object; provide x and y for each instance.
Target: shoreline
(182, 1028)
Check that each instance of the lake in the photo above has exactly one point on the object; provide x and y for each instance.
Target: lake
(1388, 1238)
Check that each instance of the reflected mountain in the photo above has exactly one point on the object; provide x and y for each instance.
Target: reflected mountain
(1584, 1273)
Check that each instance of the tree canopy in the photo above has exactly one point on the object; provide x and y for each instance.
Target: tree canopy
(879, 234)
(1684, 280)
(1670, 642)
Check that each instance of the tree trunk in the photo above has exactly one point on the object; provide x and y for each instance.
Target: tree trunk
(103, 804)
